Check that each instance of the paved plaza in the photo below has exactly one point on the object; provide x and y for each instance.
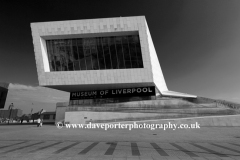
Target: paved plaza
(48, 142)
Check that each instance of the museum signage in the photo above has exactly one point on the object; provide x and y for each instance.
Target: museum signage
(113, 93)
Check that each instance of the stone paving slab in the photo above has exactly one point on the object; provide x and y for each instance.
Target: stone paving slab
(48, 142)
(123, 150)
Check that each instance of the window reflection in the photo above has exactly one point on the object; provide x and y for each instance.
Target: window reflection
(126, 53)
(76, 62)
(138, 50)
(119, 50)
(116, 52)
(87, 53)
(106, 51)
(101, 59)
(114, 59)
(133, 52)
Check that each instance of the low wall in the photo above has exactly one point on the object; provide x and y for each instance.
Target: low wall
(214, 121)
(60, 112)
(159, 103)
(155, 110)
(86, 117)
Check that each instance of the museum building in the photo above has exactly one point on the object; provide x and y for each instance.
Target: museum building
(3, 94)
(102, 63)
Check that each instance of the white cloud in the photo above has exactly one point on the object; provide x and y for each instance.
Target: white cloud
(20, 87)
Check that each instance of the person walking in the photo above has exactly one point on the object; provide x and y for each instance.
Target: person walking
(38, 122)
(41, 122)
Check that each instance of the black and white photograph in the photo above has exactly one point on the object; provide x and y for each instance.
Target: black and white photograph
(120, 80)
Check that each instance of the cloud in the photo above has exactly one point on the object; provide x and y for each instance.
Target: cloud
(26, 97)
(21, 87)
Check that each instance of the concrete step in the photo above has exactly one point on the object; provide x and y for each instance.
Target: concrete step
(117, 108)
(150, 110)
(162, 103)
(160, 116)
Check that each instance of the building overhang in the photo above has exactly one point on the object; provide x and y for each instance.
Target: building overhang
(90, 87)
(149, 74)
(177, 94)
(89, 35)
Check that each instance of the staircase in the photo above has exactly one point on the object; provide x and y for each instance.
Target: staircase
(162, 108)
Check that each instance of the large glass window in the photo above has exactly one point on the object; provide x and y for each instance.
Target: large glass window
(46, 116)
(98, 53)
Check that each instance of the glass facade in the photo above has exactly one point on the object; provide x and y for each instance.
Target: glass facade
(98, 53)
(109, 100)
(3, 97)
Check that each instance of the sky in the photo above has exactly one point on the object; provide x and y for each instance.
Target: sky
(197, 41)
(27, 97)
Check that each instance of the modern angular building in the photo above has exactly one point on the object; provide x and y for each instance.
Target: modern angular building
(3, 93)
(99, 60)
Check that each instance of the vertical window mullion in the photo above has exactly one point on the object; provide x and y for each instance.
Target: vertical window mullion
(71, 48)
(136, 52)
(66, 59)
(114, 39)
(97, 54)
(103, 52)
(108, 39)
(129, 51)
(123, 54)
(74, 54)
(90, 48)
(53, 49)
(84, 54)
(140, 58)
(60, 60)
(78, 54)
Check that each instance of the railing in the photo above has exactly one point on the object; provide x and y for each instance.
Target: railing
(222, 103)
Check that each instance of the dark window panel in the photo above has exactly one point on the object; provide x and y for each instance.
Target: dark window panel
(101, 57)
(82, 59)
(119, 49)
(95, 62)
(51, 54)
(126, 52)
(57, 55)
(75, 55)
(87, 52)
(94, 53)
(46, 116)
(113, 53)
(53, 63)
(76, 65)
(89, 63)
(63, 55)
(133, 52)
(74, 50)
(106, 53)
(69, 55)
(70, 66)
(138, 50)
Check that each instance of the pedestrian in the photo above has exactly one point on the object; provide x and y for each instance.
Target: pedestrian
(41, 122)
(38, 122)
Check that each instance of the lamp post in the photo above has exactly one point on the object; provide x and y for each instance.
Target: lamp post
(10, 108)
